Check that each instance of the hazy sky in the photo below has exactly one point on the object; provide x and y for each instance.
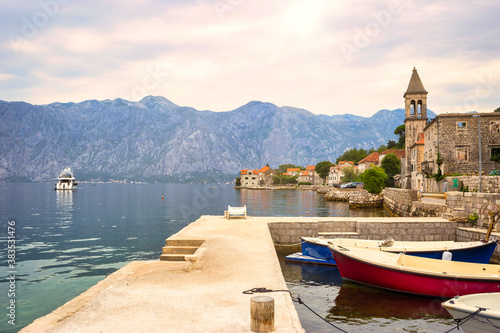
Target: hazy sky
(328, 57)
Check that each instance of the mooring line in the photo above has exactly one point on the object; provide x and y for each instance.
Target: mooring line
(461, 321)
(295, 298)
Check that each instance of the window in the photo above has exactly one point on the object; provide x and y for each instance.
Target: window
(495, 154)
(495, 127)
(461, 125)
(462, 153)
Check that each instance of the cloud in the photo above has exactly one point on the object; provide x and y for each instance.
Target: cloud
(221, 54)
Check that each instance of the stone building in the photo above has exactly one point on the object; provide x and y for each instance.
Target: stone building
(336, 172)
(452, 144)
(366, 162)
(249, 178)
(257, 178)
(266, 175)
(448, 144)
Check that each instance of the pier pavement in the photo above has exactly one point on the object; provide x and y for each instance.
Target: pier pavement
(200, 295)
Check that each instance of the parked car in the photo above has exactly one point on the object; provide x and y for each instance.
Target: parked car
(351, 185)
(495, 173)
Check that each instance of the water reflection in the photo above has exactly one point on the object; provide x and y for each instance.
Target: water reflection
(363, 303)
(64, 200)
(359, 308)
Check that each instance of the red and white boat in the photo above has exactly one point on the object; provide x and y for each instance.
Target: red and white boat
(415, 275)
(476, 313)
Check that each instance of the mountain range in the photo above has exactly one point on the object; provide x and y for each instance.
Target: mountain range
(157, 140)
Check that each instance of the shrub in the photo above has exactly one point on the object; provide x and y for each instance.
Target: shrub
(374, 179)
(305, 183)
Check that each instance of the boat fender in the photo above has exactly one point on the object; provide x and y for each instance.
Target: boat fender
(447, 255)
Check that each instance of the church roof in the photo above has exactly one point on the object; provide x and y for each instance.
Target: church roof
(415, 86)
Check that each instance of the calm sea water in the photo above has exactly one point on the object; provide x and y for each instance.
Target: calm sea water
(68, 241)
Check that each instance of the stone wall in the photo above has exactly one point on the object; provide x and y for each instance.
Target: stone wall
(470, 202)
(453, 138)
(426, 209)
(363, 198)
(489, 184)
(337, 195)
(403, 229)
(399, 201)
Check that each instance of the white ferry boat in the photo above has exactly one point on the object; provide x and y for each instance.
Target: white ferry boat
(66, 181)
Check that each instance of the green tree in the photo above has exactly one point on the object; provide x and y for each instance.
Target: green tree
(391, 144)
(392, 166)
(400, 131)
(374, 179)
(323, 169)
(238, 181)
(497, 109)
(283, 180)
(355, 155)
(350, 174)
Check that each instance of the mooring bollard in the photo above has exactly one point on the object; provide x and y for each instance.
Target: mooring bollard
(262, 314)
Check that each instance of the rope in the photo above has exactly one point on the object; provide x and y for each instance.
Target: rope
(461, 321)
(296, 299)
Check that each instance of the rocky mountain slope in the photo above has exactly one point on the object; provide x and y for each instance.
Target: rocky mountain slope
(156, 140)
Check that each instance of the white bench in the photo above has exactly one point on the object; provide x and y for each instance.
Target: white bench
(235, 212)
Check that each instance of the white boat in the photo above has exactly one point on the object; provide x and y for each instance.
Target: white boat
(66, 181)
(476, 312)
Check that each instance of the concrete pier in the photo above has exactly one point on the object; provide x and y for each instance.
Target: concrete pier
(210, 263)
(203, 294)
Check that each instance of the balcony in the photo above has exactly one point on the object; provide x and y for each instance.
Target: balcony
(427, 167)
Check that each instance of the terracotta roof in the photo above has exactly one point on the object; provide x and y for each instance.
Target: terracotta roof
(304, 173)
(373, 157)
(398, 152)
(311, 167)
(415, 86)
(243, 172)
(286, 174)
(343, 162)
(420, 140)
(293, 170)
(264, 169)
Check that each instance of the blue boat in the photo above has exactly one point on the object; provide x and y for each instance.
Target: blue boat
(475, 252)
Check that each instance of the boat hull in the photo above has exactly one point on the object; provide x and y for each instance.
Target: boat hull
(464, 309)
(398, 279)
(479, 253)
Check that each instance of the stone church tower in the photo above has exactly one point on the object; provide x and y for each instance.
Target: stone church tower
(415, 117)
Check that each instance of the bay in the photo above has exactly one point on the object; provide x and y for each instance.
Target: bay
(68, 241)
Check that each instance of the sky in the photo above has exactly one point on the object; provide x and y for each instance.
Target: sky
(325, 56)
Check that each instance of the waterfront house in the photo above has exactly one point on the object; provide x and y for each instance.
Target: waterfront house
(316, 179)
(257, 178)
(249, 178)
(305, 177)
(292, 171)
(336, 172)
(266, 175)
(366, 162)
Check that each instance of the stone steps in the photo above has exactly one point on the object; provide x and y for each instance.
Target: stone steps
(183, 242)
(179, 249)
